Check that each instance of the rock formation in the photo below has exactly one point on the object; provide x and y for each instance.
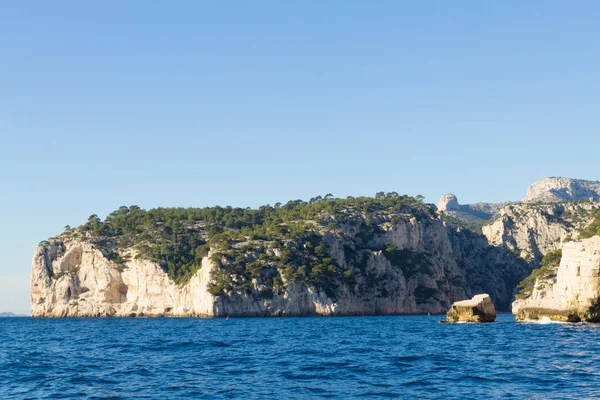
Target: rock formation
(73, 278)
(532, 230)
(420, 274)
(562, 189)
(373, 258)
(548, 190)
(448, 202)
(471, 213)
(574, 294)
(479, 309)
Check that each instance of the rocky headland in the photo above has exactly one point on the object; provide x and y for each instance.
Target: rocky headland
(382, 255)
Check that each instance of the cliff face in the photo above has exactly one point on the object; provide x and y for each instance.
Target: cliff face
(487, 268)
(575, 292)
(532, 230)
(71, 277)
(358, 256)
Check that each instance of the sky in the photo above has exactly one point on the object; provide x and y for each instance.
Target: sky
(244, 103)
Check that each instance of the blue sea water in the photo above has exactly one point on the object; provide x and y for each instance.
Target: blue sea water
(274, 358)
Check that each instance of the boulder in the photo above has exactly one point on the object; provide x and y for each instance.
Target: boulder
(479, 309)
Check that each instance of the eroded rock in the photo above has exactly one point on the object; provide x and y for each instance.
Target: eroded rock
(562, 189)
(479, 309)
(448, 202)
(575, 293)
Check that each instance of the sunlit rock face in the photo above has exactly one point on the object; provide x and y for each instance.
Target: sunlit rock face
(438, 261)
(574, 294)
(532, 230)
(76, 279)
(562, 189)
(448, 202)
(478, 309)
(73, 278)
(472, 213)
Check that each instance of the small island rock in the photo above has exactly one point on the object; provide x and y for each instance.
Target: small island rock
(479, 309)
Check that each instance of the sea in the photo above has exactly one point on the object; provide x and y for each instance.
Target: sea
(407, 357)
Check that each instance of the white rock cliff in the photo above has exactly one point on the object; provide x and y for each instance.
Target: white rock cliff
(73, 278)
(575, 293)
(562, 189)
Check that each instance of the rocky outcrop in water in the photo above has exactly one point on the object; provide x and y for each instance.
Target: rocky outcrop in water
(574, 293)
(478, 309)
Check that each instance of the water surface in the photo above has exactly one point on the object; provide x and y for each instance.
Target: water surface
(273, 358)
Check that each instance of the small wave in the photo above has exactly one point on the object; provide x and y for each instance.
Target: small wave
(220, 344)
(418, 382)
(372, 394)
(478, 378)
(407, 358)
(303, 377)
(543, 321)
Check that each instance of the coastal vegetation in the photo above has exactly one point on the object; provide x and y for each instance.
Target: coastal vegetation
(593, 228)
(546, 273)
(257, 248)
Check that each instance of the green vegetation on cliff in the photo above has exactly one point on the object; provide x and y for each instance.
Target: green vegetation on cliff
(593, 228)
(253, 248)
(544, 274)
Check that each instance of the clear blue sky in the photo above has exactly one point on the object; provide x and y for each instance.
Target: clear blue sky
(243, 103)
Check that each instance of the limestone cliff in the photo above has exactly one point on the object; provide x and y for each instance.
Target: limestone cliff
(385, 255)
(562, 189)
(72, 277)
(471, 213)
(543, 191)
(532, 230)
(574, 294)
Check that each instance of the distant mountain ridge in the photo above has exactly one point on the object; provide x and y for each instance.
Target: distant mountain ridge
(556, 189)
(471, 213)
(547, 190)
(10, 314)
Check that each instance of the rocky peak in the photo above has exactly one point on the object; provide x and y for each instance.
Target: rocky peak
(448, 202)
(470, 213)
(555, 189)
